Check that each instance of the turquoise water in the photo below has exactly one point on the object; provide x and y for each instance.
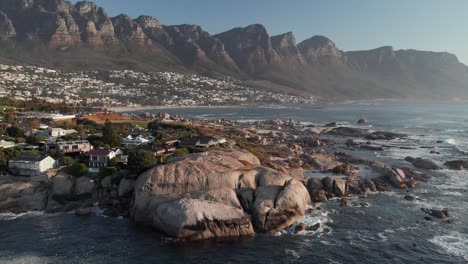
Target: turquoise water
(390, 230)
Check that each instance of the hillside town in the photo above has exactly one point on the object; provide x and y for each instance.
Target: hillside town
(131, 89)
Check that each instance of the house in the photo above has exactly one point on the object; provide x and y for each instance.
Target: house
(31, 165)
(201, 142)
(131, 141)
(221, 140)
(56, 132)
(158, 151)
(7, 144)
(170, 141)
(100, 157)
(73, 147)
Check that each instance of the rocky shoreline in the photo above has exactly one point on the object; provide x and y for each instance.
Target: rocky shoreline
(235, 191)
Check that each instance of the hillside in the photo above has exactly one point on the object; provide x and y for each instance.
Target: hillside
(82, 37)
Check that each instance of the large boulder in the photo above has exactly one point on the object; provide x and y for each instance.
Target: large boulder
(277, 207)
(22, 196)
(397, 178)
(227, 181)
(457, 164)
(193, 219)
(84, 187)
(61, 187)
(126, 187)
(426, 164)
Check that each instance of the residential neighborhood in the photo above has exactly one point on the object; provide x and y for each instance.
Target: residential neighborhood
(130, 88)
(32, 146)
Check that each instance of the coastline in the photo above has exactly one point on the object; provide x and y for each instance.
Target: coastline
(124, 109)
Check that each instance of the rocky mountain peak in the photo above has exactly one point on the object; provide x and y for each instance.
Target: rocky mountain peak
(129, 31)
(148, 22)
(285, 46)
(55, 5)
(320, 49)
(250, 47)
(7, 30)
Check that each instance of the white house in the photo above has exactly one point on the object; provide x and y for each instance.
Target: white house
(7, 144)
(31, 165)
(100, 157)
(131, 141)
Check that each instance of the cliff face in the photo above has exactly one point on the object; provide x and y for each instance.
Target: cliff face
(52, 31)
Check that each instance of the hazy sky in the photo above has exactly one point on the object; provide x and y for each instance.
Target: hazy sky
(437, 25)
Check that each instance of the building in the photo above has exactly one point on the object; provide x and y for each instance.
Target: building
(60, 132)
(170, 141)
(56, 132)
(100, 157)
(7, 144)
(73, 147)
(203, 142)
(31, 165)
(158, 151)
(131, 141)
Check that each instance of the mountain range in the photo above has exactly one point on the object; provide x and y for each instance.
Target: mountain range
(81, 36)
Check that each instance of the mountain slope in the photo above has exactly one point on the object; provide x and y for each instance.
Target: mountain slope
(56, 33)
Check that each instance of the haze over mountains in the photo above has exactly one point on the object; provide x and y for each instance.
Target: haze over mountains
(58, 34)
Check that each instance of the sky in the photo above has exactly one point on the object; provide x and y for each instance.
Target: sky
(436, 25)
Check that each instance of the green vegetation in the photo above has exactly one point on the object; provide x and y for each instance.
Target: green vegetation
(67, 161)
(7, 154)
(181, 152)
(141, 160)
(110, 135)
(15, 132)
(106, 171)
(78, 170)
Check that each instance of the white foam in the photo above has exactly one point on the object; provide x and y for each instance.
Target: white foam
(453, 243)
(317, 217)
(12, 216)
(451, 141)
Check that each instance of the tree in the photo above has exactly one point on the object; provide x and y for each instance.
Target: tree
(15, 132)
(31, 124)
(181, 152)
(34, 140)
(78, 170)
(141, 160)
(67, 161)
(110, 136)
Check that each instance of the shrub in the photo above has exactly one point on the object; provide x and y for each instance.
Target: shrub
(67, 161)
(106, 171)
(78, 170)
(141, 160)
(181, 152)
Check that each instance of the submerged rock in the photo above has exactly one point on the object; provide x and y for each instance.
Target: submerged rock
(349, 132)
(426, 164)
(83, 211)
(457, 164)
(441, 214)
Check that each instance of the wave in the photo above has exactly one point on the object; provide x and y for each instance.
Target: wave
(454, 243)
(12, 216)
(318, 217)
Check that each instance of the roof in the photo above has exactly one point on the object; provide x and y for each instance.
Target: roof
(72, 142)
(100, 152)
(29, 158)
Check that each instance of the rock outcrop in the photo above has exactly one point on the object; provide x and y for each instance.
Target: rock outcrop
(22, 196)
(228, 185)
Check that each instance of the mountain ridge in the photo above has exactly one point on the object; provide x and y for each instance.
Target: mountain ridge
(82, 36)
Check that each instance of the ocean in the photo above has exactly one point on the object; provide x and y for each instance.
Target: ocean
(388, 229)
